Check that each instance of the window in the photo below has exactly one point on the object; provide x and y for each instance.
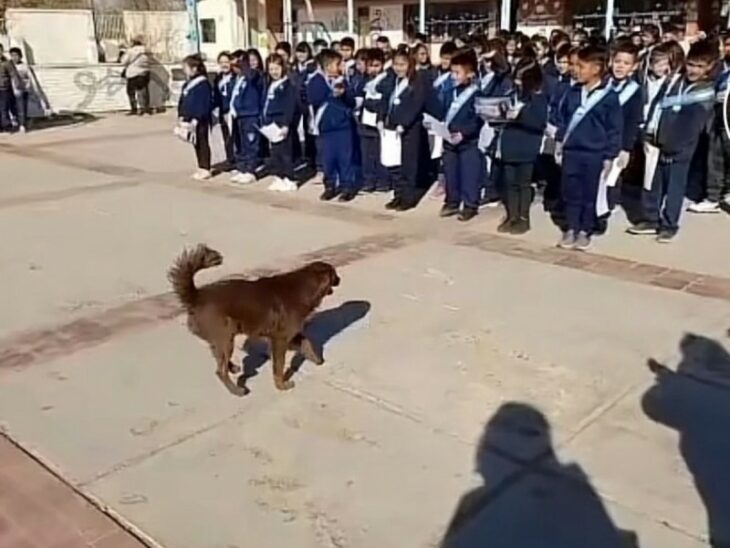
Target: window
(207, 31)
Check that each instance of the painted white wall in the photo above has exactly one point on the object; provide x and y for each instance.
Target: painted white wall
(53, 36)
(165, 32)
(227, 24)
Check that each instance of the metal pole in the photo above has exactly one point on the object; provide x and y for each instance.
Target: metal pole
(350, 17)
(286, 5)
(505, 19)
(246, 26)
(610, 9)
(422, 16)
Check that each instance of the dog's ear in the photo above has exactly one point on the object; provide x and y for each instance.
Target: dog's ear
(335, 279)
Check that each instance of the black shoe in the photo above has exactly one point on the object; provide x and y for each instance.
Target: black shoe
(643, 229)
(132, 113)
(405, 205)
(347, 196)
(666, 236)
(393, 204)
(506, 226)
(519, 227)
(467, 214)
(449, 211)
(368, 188)
(328, 194)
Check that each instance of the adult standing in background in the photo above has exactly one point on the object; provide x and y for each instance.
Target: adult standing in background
(136, 61)
(9, 82)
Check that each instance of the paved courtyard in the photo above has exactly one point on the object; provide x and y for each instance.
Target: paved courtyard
(480, 390)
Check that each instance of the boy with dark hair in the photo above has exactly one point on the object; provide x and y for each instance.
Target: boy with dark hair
(675, 124)
(590, 126)
(9, 81)
(334, 122)
(375, 176)
(462, 157)
(347, 50)
(718, 157)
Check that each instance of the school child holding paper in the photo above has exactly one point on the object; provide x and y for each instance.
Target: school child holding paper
(590, 128)
(677, 122)
(718, 156)
(224, 82)
(304, 68)
(195, 111)
(519, 145)
(280, 108)
(375, 176)
(462, 158)
(404, 124)
(334, 121)
(244, 114)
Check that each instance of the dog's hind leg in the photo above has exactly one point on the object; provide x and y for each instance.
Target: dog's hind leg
(279, 347)
(302, 344)
(222, 351)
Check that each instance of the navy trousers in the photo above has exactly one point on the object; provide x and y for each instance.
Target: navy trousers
(282, 157)
(228, 143)
(664, 202)
(337, 160)
(463, 167)
(375, 176)
(6, 106)
(581, 176)
(247, 143)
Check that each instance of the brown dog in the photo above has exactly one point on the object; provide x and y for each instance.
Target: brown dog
(273, 308)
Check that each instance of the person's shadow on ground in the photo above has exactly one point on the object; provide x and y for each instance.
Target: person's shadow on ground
(529, 498)
(322, 327)
(695, 401)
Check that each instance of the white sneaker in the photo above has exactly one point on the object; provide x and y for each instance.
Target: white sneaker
(202, 175)
(726, 199)
(705, 206)
(22, 129)
(287, 185)
(243, 179)
(276, 185)
(234, 173)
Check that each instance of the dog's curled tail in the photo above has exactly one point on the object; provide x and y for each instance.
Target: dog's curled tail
(182, 273)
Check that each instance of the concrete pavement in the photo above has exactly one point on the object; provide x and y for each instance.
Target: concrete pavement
(479, 390)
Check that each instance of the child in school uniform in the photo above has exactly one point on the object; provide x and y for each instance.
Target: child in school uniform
(437, 103)
(245, 111)
(280, 108)
(624, 64)
(317, 91)
(194, 111)
(304, 67)
(590, 127)
(223, 86)
(519, 145)
(347, 50)
(404, 115)
(335, 123)
(462, 158)
(674, 126)
(375, 176)
(718, 154)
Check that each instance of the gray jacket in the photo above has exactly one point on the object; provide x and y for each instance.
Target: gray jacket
(9, 79)
(136, 62)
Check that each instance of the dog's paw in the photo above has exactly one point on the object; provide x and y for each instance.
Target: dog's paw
(284, 385)
(318, 361)
(234, 369)
(240, 391)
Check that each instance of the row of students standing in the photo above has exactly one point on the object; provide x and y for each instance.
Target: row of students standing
(576, 113)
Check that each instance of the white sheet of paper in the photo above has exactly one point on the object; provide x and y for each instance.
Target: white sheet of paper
(438, 148)
(436, 128)
(369, 118)
(390, 148)
(273, 133)
(602, 199)
(486, 136)
(652, 161)
(613, 174)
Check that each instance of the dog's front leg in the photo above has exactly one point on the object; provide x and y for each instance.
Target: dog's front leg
(279, 346)
(302, 344)
(222, 353)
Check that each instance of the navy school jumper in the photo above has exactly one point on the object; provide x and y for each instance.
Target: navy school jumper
(594, 140)
(246, 102)
(375, 176)
(337, 130)
(407, 112)
(463, 162)
(280, 108)
(196, 104)
(300, 76)
(677, 137)
(317, 92)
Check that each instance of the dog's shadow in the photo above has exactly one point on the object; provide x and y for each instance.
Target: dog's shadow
(322, 327)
